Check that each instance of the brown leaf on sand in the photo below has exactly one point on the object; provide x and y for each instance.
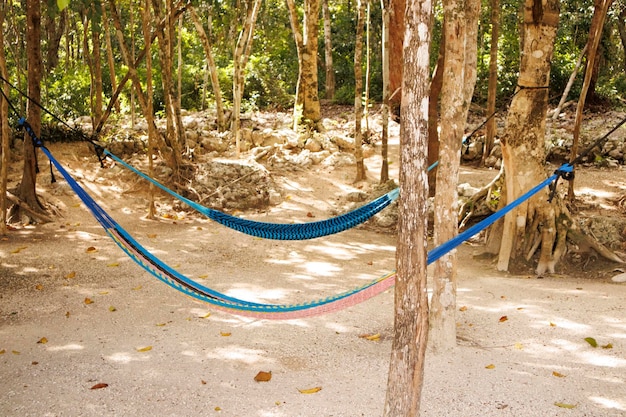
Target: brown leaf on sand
(503, 319)
(91, 249)
(372, 337)
(100, 385)
(88, 300)
(263, 376)
(42, 341)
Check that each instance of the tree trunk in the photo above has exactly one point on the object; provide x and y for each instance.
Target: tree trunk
(54, 33)
(97, 71)
(396, 62)
(595, 34)
(240, 59)
(329, 90)
(384, 170)
(459, 78)
(174, 130)
(215, 83)
(171, 158)
(570, 83)
(307, 110)
(523, 146)
(621, 26)
(493, 80)
(358, 92)
(406, 367)
(110, 60)
(433, 118)
(26, 190)
(152, 132)
(5, 130)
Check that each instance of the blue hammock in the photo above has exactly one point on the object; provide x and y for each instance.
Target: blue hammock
(279, 231)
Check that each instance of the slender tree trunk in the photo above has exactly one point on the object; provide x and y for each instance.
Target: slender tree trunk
(152, 132)
(215, 83)
(406, 367)
(433, 118)
(307, 108)
(384, 170)
(621, 26)
(110, 59)
(240, 59)
(570, 82)
(396, 60)
(358, 92)
(97, 72)
(328, 53)
(459, 78)
(523, 146)
(54, 33)
(595, 34)
(171, 158)
(26, 190)
(5, 151)
(493, 80)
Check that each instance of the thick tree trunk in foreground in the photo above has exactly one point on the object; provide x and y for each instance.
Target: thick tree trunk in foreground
(459, 77)
(406, 367)
(533, 223)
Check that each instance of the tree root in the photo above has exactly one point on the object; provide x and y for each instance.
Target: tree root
(587, 243)
(42, 217)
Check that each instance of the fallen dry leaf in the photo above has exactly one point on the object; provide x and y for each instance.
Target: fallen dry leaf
(16, 352)
(591, 341)
(552, 324)
(144, 349)
(225, 334)
(152, 235)
(91, 249)
(88, 300)
(2, 352)
(42, 341)
(67, 314)
(206, 316)
(112, 309)
(100, 386)
(372, 337)
(490, 366)
(263, 376)
(309, 214)
(519, 346)
(558, 374)
(464, 308)
(203, 382)
(608, 346)
(18, 250)
(39, 287)
(503, 319)
(310, 390)
(137, 288)
(564, 405)
(71, 275)
(113, 264)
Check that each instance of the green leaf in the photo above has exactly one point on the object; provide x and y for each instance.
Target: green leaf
(591, 341)
(62, 4)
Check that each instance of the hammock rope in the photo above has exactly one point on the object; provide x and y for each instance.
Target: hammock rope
(278, 231)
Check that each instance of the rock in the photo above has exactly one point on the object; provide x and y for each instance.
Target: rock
(318, 157)
(313, 145)
(344, 143)
(339, 159)
(357, 196)
(619, 278)
(466, 190)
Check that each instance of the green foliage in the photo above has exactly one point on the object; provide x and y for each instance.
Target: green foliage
(66, 92)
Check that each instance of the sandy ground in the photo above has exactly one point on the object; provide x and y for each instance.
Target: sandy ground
(86, 332)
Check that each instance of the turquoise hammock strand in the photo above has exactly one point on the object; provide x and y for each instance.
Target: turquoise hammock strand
(278, 231)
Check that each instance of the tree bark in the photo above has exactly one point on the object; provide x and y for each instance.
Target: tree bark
(215, 83)
(433, 118)
(240, 60)
(459, 77)
(307, 110)
(595, 34)
(570, 83)
(97, 72)
(523, 146)
(406, 367)
(384, 169)
(110, 60)
(5, 151)
(396, 62)
(329, 90)
(26, 190)
(493, 80)
(621, 27)
(358, 92)
(152, 132)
